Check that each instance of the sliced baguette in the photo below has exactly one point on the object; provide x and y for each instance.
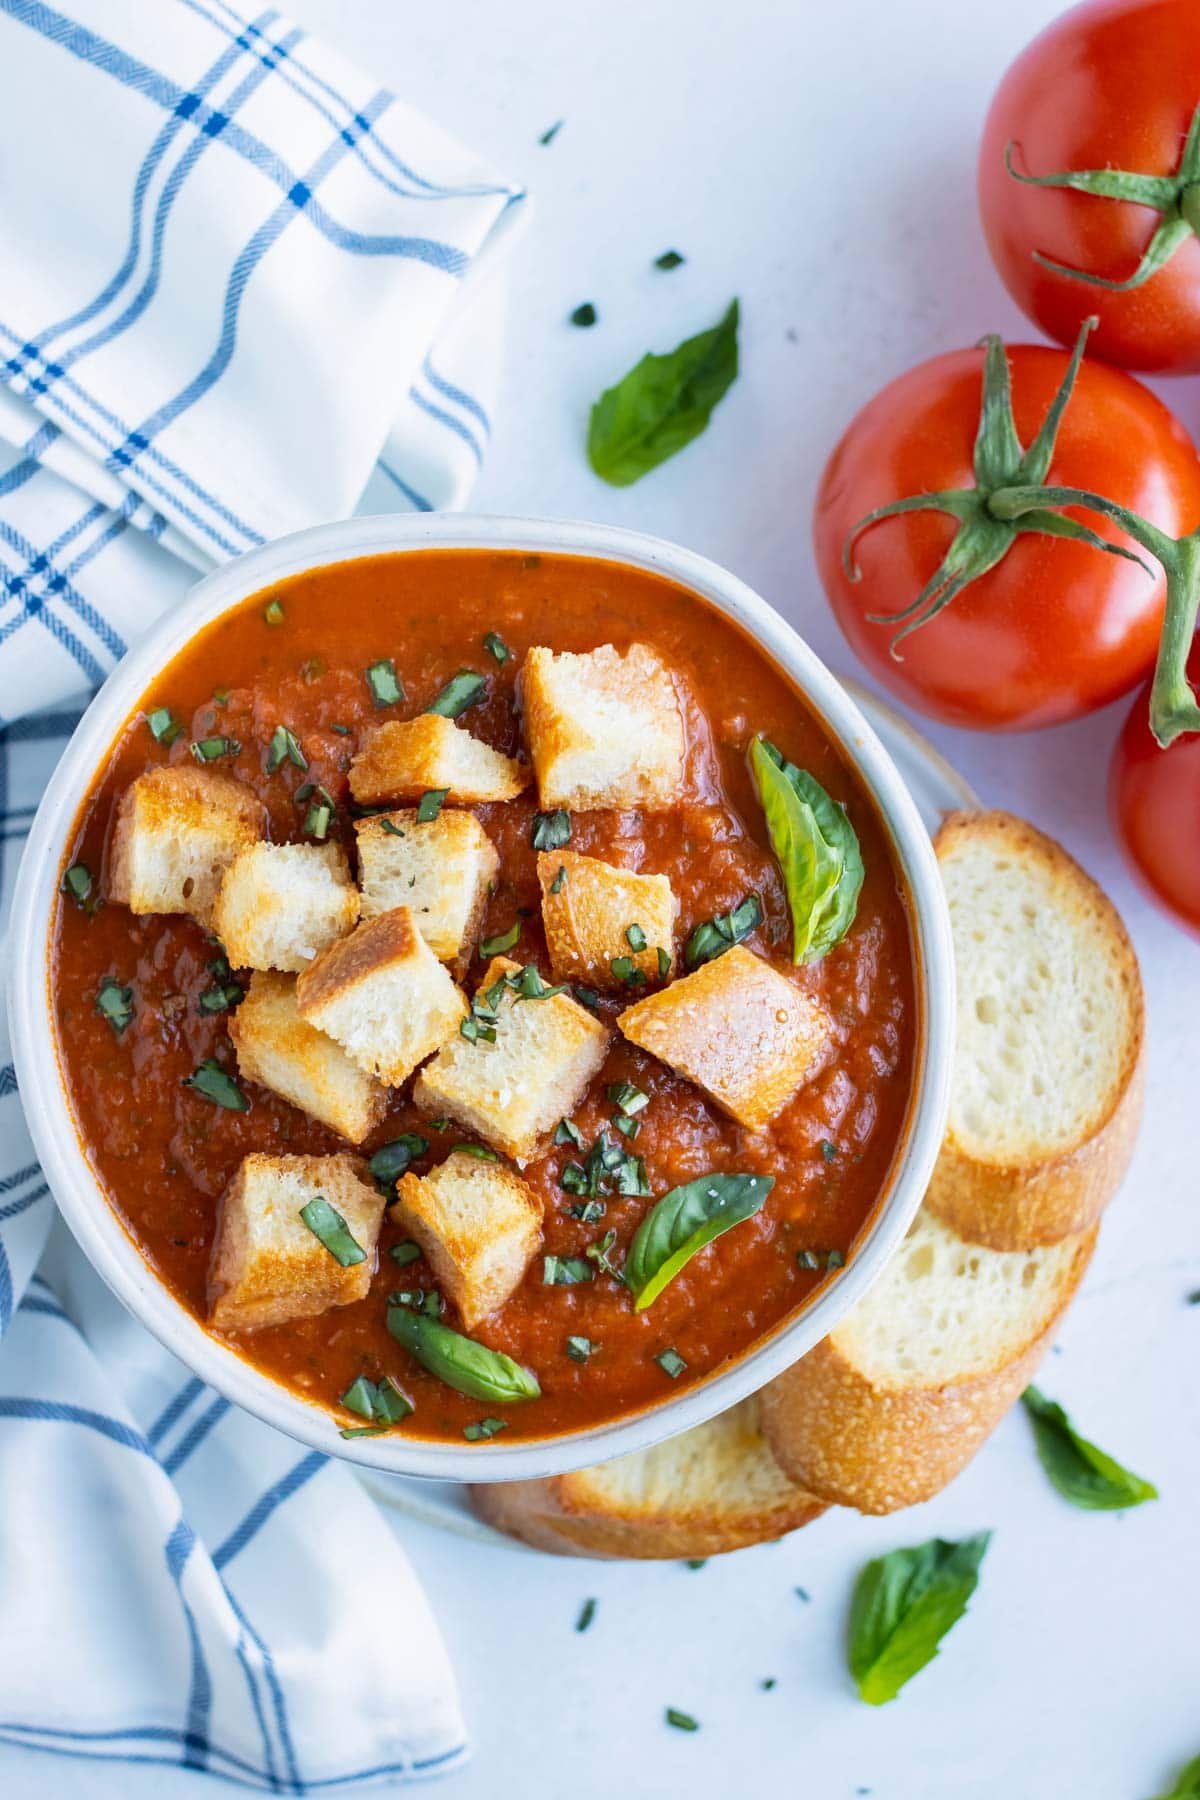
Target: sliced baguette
(714, 1488)
(897, 1399)
(1048, 1071)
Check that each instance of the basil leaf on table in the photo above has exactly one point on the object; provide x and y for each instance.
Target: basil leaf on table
(662, 404)
(459, 1361)
(682, 1222)
(1187, 1786)
(1082, 1473)
(816, 848)
(904, 1604)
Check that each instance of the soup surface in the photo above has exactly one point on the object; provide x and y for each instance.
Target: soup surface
(164, 1154)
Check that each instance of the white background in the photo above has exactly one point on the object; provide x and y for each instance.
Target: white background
(817, 161)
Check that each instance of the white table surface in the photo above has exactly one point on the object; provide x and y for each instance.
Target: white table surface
(818, 162)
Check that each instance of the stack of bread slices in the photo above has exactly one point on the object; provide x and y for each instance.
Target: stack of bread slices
(887, 1409)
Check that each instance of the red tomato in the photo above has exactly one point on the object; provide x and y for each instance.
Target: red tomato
(1154, 796)
(1111, 85)
(1055, 629)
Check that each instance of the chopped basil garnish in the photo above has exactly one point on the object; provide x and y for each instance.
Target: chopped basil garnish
(284, 747)
(671, 1363)
(828, 1150)
(587, 1613)
(479, 1151)
(565, 1271)
(664, 964)
(567, 1132)
(662, 403)
(164, 728)
(551, 830)
(462, 690)
(504, 941)
(390, 1404)
(1083, 1473)
(670, 259)
(557, 884)
(440, 1124)
(425, 1300)
(904, 1604)
(601, 1255)
(430, 804)
(588, 997)
(486, 1428)
(221, 696)
(213, 1083)
(223, 996)
(114, 1003)
(359, 1398)
(548, 136)
(357, 1431)
(207, 750)
(479, 1025)
(584, 315)
(459, 1361)
(342, 730)
(273, 613)
(820, 1259)
(626, 970)
(406, 1252)
(390, 1160)
(816, 848)
(715, 936)
(384, 683)
(682, 1222)
(628, 1128)
(834, 1260)
(589, 1211)
(383, 1402)
(628, 1098)
(680, 1720)
(77, 882)
(635, 937)
(495, 643)
(317, 820)
(326, 1223)
(579, 1348)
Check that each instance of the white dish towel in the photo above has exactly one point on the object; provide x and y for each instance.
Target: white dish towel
(242, 289)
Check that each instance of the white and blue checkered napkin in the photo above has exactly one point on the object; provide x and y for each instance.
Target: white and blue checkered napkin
(242, 289)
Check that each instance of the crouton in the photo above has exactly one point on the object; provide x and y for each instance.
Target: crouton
(603, 729)
(439, 868)
(512, 1092)
(177, 831)
(383, 995)
(479, 1225)
(280, 905)
(596, 915)
(407, 757)
(737, 1028)
(268, 1266)
(281, 1051)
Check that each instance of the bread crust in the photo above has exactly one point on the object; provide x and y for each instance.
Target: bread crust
(1023, 1205)
(854, 1443)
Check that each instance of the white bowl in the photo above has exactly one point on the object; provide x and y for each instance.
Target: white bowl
(73, 1182)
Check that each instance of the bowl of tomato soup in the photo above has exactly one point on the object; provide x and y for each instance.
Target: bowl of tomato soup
(481, 993)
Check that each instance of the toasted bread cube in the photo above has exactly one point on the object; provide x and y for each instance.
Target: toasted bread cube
(439, 868)
(280, 905)
(407, 757)
(177, 831)
(589, 909)
(383, 995)
(479, 1225)
(737, 1028)
(267, 1265)
(514, 1091)
(603, 729)
(283, 1052)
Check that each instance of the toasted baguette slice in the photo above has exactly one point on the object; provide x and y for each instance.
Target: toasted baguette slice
(736, 1027)
(714, 1488)
(589, 910)
(407, 757)
(177, 831)
(604, 728)
(479, 1225)
(1048, 1070)
(897, 1399)
(283, 1052)
(280, 905)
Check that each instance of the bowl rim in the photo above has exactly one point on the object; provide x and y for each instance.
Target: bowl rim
(96, 1225)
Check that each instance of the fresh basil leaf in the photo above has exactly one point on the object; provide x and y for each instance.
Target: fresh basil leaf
(213, 1083)
(682, 1222)
(816, 848)
(327, 1224)
(662, 403)
(1082, 1473)
(904, 1604)
(390, 1160)
(459, 1361)
(462, 690)
(1187, 1786)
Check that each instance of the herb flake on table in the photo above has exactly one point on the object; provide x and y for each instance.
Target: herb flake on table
(670, 259)
(584, 315)
(904, 1604)
(662, 404)
(680, 1720)
(1083, 1473)
(587, 1613)
(548, 136)
(1187, 1784)
(273, 613)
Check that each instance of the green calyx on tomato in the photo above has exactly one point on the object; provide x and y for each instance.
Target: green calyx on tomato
(985, 535)
(1176, 197)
